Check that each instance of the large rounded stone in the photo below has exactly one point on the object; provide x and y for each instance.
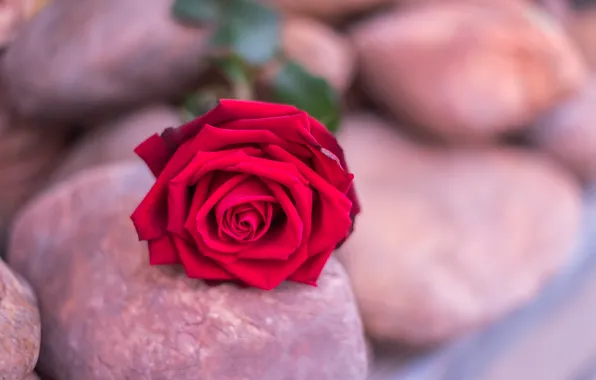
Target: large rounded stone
(451, 239)
(567, 132)
(467, 70)
(108, 314)
(79, 59)
(20, 327)
(115, 140)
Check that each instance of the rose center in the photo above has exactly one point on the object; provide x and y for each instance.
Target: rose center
(249, 221)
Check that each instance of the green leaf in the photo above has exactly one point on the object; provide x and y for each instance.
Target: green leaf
(250, 29)
(196, 11)
(238, 74)
(294, 85)
(198, 103)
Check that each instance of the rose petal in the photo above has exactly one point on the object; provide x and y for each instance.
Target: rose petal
(251, 190)
(206, 230)
(248, 195)
(198, 266)
(151, 215)
(328, 141)
(292, 128)
(162, 251)
(309, 272)
(331, 205)
(286, 237)
(328, 168)
(228, 110)
(266, 274)
(155, 152)
(178, 206)
(239, 223)
(206, 162)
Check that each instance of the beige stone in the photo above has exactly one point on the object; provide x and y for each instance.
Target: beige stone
(108, 314)
(451, 239)
(19, 326)
(115, 140)
(467, 70)
(77, 60)
(568, 133)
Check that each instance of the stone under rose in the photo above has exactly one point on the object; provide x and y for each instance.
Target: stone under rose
(253, 192)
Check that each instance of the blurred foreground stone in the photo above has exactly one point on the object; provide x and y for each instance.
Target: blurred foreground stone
(467, 70)
(20, 327)
(116, 140)
(108, 314)
(568, 133)
(79, 59)
(450, 240)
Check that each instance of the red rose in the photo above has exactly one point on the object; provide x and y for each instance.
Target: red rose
(250, 191)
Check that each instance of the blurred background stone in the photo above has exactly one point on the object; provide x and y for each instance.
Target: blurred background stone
(467, 71)
(28, 155)
(78, 60)
(108, 313)
(13, 14)
(31, 376)
(451, 239)
(19, 326)
(115, 140)
(320, 50)
(582, 28)
(568, 133)
(331, 10)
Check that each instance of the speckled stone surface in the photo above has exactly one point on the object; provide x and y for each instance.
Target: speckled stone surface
(31, 376)
(19, 326)
(108, 315)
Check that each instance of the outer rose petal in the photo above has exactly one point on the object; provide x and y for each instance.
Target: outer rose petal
(151, 215)
(333, 205)
(309, 272)
(267, 274)
(155, 152)
(197, 266)
(292, 128)
(163, 251)
(328, 141)
(227, 110)
(217, 138)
